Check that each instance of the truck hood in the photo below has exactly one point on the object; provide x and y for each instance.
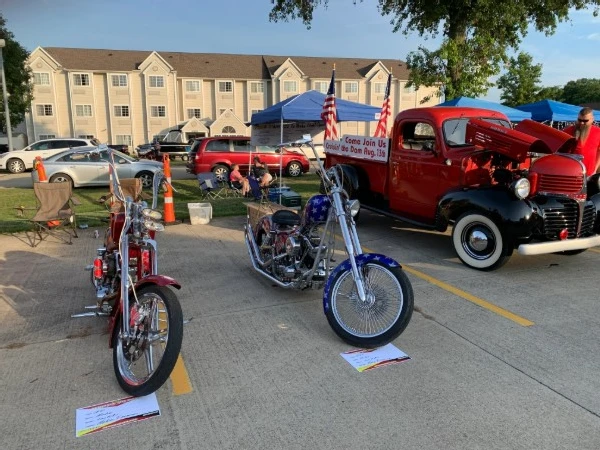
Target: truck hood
(528, 136)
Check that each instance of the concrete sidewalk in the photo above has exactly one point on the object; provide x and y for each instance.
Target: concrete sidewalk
(265, 366)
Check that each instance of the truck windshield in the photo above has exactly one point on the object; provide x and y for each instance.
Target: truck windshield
(455, 129)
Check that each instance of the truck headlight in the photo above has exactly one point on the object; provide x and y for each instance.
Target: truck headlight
(521, 188)
(353, 207)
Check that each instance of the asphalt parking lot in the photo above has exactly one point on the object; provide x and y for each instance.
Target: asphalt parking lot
(500, 360)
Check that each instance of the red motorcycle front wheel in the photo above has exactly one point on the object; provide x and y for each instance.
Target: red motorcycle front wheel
(144, 362)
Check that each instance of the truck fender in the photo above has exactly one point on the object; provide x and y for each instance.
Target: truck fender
(516, 218)
(361, 260)
(352, 175)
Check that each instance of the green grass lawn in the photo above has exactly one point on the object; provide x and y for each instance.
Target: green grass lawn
(94, 214)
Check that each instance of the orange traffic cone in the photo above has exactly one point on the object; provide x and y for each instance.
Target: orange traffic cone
(169, 207)
(41, 170)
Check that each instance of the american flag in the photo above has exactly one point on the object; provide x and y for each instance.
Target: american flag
(329, 113)
(381, 130)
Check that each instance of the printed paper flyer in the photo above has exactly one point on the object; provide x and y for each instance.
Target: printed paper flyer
(367, 359)
(115, 413)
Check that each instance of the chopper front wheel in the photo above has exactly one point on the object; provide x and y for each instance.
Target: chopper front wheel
(381, 317)
(143, 363)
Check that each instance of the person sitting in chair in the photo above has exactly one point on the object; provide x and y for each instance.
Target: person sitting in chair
(261, 173)
(238, 180)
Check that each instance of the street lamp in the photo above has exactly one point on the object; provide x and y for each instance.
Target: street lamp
(5, 96)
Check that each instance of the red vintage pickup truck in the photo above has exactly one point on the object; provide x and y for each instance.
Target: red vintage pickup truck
(501, 188)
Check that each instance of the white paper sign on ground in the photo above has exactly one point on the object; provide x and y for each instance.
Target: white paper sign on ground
(115, 413)
(365, 359)
(359, 147)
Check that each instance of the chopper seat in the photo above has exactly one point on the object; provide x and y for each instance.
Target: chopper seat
(285, 217)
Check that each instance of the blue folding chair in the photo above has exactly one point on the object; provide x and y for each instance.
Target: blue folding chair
(210, 186)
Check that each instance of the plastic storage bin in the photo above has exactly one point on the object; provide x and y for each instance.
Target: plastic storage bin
(200, 213)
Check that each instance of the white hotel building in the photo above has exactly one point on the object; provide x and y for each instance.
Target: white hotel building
(128, 97)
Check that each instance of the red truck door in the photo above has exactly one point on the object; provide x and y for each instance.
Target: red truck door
(416, 161)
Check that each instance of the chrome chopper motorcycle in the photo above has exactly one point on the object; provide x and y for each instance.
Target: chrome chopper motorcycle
(368, 299)
(145, 317)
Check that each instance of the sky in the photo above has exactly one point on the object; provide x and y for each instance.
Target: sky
(243, 27)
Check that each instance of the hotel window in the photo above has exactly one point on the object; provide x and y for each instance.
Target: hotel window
(351, 88)
(256, 111)
(123, 139)
(321, 86)
(225, 86)
(46, 136)
(81, 79)
(290, 86)
(192, 86)
(121, 110)
(222, 110)
(379, 88)
(194, 112)
(119, 80)
(228, 130)
(41, 78)
(257, 87)
(157, 81)
(158, 111)
(44, 110)
(86, 136)
(409, 89)
(83, 110)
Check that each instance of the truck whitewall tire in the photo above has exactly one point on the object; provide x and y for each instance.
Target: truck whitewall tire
(479, 243)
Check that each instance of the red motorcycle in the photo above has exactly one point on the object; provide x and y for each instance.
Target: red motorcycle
(145, 318)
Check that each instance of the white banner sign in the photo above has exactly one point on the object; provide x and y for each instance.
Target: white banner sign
(270, 134)
(360, 147)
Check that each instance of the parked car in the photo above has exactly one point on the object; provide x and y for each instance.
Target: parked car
(217, 154)
(18, 161)
(89, 167)
(172, 144)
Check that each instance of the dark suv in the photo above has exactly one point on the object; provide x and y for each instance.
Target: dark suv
(217, 154)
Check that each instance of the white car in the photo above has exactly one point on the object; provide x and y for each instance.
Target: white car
(88, 166)
(18, 161)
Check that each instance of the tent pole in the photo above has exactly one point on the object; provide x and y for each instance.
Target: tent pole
(280, 156)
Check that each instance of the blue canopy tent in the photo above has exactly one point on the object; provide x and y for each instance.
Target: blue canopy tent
(553, 111)
(308, 106)
(514, 115)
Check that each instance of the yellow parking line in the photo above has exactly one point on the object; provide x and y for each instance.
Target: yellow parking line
(469, 297)
(595, 250)
(180, 378)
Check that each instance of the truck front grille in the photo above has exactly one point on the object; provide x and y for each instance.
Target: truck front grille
(567, 216)
(560, 184)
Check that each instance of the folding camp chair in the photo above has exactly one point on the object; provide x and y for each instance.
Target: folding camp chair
(55, 215)
(261, 193)
(210, 186)
(232, 190)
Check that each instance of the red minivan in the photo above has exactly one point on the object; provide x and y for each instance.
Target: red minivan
(217, 154)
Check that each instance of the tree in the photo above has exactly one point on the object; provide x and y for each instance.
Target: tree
(584, 90)
(520, 84)
(550, 93)
(18, 78)
(477, 34)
